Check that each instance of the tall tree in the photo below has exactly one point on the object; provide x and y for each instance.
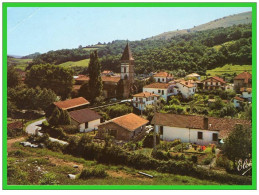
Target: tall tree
(95, 82)
(12, 77)
(238, 145)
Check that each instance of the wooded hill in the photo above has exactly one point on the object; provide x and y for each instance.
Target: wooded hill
(196, 51)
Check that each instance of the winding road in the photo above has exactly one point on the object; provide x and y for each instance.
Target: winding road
(31, 129)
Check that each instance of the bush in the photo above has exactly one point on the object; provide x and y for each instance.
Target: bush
(194, 158)
(158, 154)
(48, 179)
(70, 129)
(207, 160)
(97, 172)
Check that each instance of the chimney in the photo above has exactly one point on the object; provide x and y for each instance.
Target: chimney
(205, 123)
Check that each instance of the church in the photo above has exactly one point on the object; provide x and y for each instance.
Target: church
(120, 85)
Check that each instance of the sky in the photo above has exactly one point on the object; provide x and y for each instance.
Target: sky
(33, 29)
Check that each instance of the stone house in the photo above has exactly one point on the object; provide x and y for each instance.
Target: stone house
(213, 83)
(162, 89)
(243, 80)
(141, 100)
(163, 77)
(126, 127)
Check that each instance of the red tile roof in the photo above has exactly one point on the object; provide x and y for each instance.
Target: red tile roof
(223, 125)
(84, 115)
(130, 121)
(71, 103)
(158, 85)
(145, 94)
(216, 78)
(163, 74)
(244, 76)
(243, 89)
(110, 79)
(188, 83)
(82, 78)
(239, 98)
(76, 87)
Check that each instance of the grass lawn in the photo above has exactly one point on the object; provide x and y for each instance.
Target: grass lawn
(80, 63)
(229, 69)
(18, 63)
(32, 165)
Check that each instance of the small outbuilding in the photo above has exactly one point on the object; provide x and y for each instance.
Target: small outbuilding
(85, 119)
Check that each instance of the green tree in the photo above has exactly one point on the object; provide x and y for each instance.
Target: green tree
(13, 77)
(56, 78)
(228, 110)
(238, 145)
(95, 81)
(64, 118)
(55, 117)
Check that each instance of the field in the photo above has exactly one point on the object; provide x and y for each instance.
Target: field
(80, 63)
(42, 166)
(229, 69)
(18, 63)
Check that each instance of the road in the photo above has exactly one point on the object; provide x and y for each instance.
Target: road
(31, 129)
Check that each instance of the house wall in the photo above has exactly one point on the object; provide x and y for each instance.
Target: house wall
(146, 101)
(186, 135)
(91, 125)
(121, 133)
(247, 95)
(186, 91)
(167, 92)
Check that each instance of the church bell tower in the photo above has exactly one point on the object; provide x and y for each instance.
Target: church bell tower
(127, 71)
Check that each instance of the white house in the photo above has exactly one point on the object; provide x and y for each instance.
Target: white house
(86, 119)
(237, 100)
(162, 89)
(186, 88)
(141, 100)
(194, 129)
(246, 93)
(194, 75)
(163, 77)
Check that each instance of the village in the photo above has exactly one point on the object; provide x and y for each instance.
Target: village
(168, 119)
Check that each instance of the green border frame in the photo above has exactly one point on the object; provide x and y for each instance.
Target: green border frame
(5, 5)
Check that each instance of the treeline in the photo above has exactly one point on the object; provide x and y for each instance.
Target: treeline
(192, 52)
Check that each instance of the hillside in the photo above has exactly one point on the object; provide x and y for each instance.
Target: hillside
(242, 18)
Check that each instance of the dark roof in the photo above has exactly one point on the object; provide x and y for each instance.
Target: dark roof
(216, 78)
(127, 55)
(71, 103)
(244, 76)
(84, 115)
(223, 125)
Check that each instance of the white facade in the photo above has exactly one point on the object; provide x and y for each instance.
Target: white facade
(164, 93)
(141, 102)
(247, 95)
(91, 125)
(186, 91)
(187, 135)
(124, 70)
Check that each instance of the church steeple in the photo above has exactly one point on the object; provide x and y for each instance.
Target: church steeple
(127, 55)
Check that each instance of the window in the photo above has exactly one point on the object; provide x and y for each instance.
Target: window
(86, 125)
(200, 135)
(152, 98)
(158, 80)
(161, 130)
(214, 137)
(125, 69)
(162, 92)
(163, 79)
(159, 91)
